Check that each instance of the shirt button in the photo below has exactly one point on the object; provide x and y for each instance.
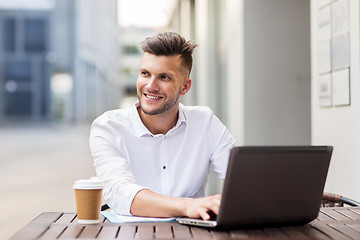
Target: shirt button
(164, 167)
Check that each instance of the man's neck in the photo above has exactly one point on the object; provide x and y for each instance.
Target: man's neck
(160, 123)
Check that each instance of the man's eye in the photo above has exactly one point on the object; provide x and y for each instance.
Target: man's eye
(145, 73)
(165, 77)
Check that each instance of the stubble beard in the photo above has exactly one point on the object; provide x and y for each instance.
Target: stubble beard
(163, 108)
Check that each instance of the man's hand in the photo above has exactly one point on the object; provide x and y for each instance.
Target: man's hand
(149, 204)
(200, 207)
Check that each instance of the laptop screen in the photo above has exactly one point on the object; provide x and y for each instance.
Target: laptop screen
(274, 185)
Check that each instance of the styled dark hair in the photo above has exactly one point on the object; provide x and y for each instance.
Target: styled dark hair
(169, 44)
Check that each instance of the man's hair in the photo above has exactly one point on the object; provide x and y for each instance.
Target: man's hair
(170, 44)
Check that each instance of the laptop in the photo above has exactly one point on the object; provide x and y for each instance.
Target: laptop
(271, 186)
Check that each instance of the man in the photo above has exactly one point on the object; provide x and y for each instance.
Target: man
(154, 158)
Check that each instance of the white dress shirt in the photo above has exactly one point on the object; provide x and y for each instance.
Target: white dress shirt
(129, 158)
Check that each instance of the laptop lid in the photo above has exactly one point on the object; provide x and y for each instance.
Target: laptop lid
(271, 186)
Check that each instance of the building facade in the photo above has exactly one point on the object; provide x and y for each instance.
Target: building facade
(59, 60)
(252, 66)
(24, 45)
(335, 85)
(131, 55)
(249, 50)
(290, 70)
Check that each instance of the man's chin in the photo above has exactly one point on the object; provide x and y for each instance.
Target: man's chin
(155, 109)
(150, 110)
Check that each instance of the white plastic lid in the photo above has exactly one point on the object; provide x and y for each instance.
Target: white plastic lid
(92, 183)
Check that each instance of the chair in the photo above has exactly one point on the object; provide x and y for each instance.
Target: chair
(336, 200)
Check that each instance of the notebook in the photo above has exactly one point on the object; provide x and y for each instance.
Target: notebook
(271, 186)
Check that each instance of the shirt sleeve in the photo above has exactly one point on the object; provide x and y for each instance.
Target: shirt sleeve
(222, 142)
(120, 186)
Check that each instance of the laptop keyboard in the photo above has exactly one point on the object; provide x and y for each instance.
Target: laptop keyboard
(212, 216)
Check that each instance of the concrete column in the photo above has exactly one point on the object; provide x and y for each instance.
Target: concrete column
(235, 69)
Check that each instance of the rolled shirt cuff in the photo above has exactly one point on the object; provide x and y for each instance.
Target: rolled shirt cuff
(121, 204)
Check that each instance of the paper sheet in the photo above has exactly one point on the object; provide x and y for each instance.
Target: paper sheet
(116, 218)
(341, 87)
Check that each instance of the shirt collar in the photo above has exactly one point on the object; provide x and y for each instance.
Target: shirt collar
(142, 131)
(182, 117)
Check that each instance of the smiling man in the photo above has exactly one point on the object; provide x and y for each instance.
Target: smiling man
(154, 158)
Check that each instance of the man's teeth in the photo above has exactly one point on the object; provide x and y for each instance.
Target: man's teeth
(152, 97)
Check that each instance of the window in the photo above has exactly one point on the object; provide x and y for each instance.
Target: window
(19, 70)
(131, 49)
(9, 35)
(35, 36)
(18, 103)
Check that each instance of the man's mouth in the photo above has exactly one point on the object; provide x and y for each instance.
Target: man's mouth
(152, 96)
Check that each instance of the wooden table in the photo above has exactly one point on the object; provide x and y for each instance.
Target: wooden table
(332, 223)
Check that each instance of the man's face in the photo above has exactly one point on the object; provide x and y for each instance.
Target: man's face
(161, 81)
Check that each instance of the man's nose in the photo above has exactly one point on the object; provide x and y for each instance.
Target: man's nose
(153, 84)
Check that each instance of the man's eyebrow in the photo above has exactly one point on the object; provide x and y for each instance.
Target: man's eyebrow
(166, 73)
(170, 74)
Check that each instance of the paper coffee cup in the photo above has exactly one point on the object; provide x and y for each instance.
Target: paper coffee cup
(88, 195)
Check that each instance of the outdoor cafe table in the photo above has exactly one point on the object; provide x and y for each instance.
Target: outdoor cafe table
(332, 223)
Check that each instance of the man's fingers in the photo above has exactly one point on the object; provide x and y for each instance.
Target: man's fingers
(215, 209)
(217, 206)
(204, 215)
(201, 207)
(214, 203)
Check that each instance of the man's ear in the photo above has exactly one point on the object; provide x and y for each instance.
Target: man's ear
(186, 86)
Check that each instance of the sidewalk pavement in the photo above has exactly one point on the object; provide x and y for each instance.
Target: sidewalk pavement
(38, 165)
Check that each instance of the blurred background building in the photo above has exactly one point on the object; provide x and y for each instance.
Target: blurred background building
(280, 72)
(276, 72)
(131, 55)
(59, 59)
(252, 66)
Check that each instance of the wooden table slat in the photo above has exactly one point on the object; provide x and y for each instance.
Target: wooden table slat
(181, 231)
(163, 231)
(108, 232)
(72, 231)
(294, 232)
(256, 233)
(330, 231)
(350, 214)
(275, 232)
(66, 218)
(239, 234)
(346, 230)
(126, 232)
(90, 231)
(53, 232)
(356, 226)
(46, 218)
(324, 217)
(30, 232)
(355, 209)
(332, 213)
(313, 233)
(144, 232)
(333, 223)
(223, 235)
(198, 232)
(37, 226)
